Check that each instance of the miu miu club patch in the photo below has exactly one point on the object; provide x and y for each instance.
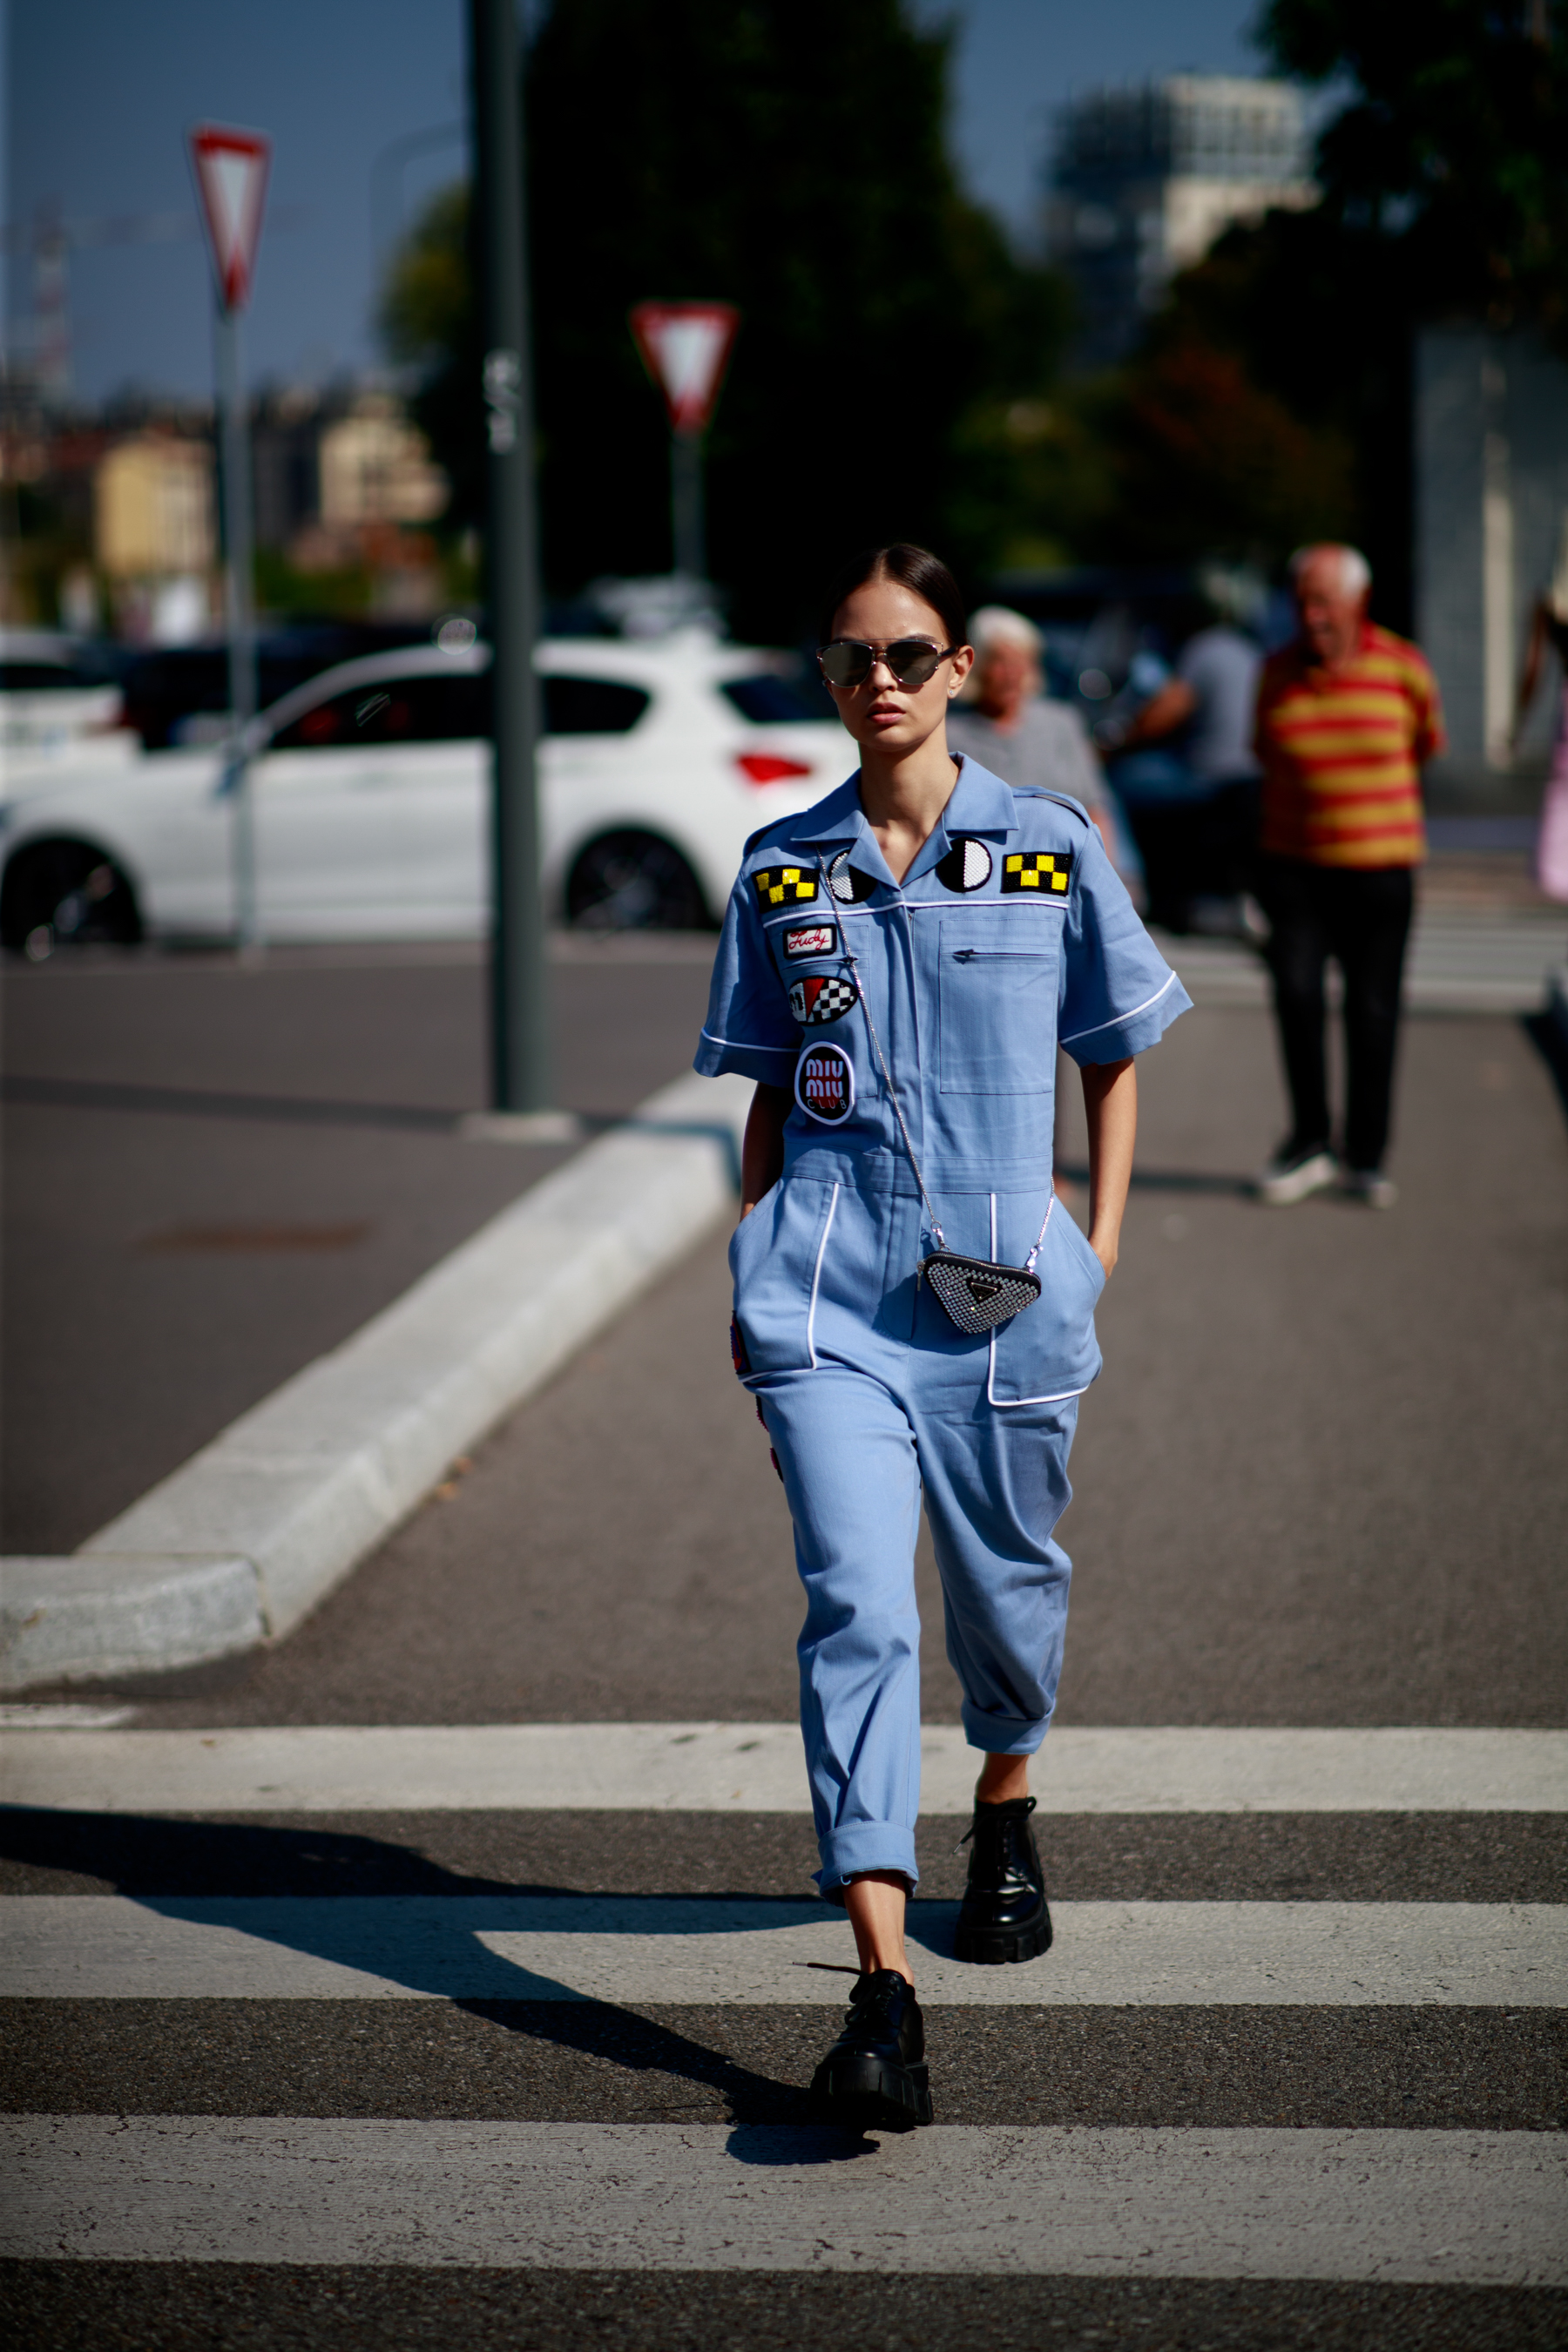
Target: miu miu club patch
(811, 939)
(825, 1084)
(966, 866)
(780, 885)
(1049, 871)
(821, 996)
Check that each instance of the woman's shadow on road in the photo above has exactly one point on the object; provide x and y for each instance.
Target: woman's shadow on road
(318, 1878)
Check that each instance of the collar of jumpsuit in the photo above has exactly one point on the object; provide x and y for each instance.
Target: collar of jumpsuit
(1008, 931)
(980, 804)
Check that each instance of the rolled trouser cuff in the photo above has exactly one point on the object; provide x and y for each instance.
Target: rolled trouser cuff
(862, 1846)
(1002, 1735)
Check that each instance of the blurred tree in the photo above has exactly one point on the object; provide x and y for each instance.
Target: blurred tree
(1455, 140)
(789, 156)
(1200, 459)
(428, 321)
(1270, 401)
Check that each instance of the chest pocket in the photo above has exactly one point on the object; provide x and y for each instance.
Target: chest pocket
(996, 1002)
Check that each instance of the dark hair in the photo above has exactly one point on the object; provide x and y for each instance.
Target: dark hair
(915, 568)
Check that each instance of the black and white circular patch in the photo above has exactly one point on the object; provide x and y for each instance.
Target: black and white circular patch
(821, 996)
(849, 887)
(966, 866)
(825, 1084)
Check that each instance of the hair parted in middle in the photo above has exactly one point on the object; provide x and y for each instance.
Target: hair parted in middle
(915, 568)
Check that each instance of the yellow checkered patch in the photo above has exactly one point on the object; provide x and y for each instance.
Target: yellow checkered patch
(782, 886)
(1039, 869)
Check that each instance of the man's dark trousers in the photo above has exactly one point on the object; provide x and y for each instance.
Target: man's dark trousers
(1361, 917)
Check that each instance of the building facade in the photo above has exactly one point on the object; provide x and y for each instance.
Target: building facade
(1143, 180)
(1491, 500)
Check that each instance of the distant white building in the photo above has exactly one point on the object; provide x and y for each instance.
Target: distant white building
(1143, 180)
(376, 468)
(153, 509)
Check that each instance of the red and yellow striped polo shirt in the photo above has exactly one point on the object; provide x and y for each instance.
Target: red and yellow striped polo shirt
(1341, 751)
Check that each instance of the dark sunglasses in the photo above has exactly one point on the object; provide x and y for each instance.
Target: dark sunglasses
(912, 660)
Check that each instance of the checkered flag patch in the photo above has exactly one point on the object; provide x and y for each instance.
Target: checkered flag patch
(823, 997)
(784, 886)
(1049, 871)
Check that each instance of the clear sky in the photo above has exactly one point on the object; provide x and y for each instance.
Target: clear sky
(98, 95)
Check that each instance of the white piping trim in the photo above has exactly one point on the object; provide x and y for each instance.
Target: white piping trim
(1118, 1020)
(1007, 1404)
(816, 1278)
(979, 906)
(747, 1045)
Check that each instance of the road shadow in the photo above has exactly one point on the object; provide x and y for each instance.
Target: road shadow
(315, 1881)
(1547, 1037)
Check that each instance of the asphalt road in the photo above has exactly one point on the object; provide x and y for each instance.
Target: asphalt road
(1322, 1479)
(214, 1174)
(1322, 1482)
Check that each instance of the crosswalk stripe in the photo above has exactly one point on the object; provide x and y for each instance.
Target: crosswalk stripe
(675, 1952)
(1460, 2207)
(757, 1767)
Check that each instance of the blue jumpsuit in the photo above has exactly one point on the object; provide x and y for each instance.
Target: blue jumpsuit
(1011, 932)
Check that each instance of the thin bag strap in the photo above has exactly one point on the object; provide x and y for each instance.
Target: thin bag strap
(897, 1107)
(893, 1090)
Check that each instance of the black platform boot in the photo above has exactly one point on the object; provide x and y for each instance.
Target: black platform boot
(874, 2077)
(1005, 1915)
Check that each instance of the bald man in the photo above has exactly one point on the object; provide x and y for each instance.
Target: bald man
(1347, 715)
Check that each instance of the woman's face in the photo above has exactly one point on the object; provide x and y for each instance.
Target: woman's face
(895, 718)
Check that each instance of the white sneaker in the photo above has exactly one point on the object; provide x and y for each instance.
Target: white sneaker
(1374, 1190)
(1285, 1181)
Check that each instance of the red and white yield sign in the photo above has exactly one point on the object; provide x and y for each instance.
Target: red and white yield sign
(686, 348)
(231, 168)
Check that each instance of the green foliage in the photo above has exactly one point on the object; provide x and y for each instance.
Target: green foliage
(1272, 399)
(283, 592)
(1200, 458)
(1456, 140)
(788, 156)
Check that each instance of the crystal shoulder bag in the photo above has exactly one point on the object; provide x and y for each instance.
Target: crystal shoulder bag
(976, 1294)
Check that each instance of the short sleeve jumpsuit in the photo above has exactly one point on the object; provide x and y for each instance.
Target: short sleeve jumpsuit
(1009, 934)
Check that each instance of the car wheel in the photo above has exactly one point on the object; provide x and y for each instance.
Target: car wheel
(634, 882)
(65, 892)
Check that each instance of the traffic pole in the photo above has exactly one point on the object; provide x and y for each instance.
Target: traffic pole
(520, 1076)
(239, 615)
(231, 168)
(686, 504)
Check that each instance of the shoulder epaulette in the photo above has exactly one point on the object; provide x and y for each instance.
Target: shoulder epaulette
(1040, 792)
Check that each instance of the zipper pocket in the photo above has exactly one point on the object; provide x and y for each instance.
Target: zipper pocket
(989, 955)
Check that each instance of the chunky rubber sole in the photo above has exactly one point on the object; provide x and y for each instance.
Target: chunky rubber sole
(874, 2095)
(991, 1946)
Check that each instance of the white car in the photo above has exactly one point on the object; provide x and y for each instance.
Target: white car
(371, 791)
(49, 700)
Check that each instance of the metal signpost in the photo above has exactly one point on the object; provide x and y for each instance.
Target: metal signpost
(686, 348)
(231, 169)
(519, 1027)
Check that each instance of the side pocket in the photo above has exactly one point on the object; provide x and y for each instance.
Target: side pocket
(1050, 1352)
(775, 1260)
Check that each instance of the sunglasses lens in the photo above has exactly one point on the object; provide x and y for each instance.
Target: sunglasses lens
(843, 663)
(913, 661)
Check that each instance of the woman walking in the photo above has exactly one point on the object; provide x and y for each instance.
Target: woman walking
(914, 1311)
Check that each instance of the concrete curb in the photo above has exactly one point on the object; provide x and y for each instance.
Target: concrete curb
(244, 1539)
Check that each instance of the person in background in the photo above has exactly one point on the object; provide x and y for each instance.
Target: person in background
(1197, 845)
(1348, 714)
(1005, 720)
(1549, 626)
